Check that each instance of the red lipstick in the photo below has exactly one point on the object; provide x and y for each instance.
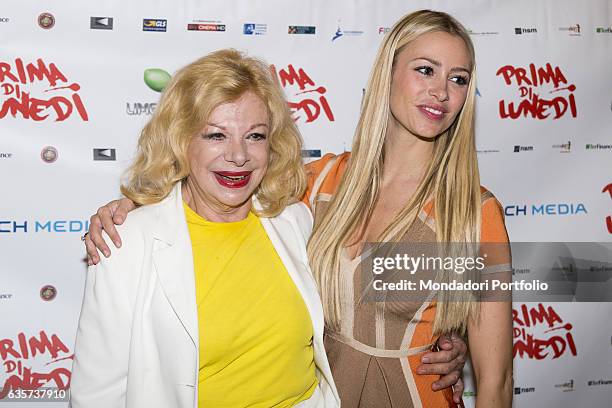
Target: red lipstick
(233, 179)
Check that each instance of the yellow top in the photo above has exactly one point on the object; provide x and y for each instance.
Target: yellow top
(255, 330)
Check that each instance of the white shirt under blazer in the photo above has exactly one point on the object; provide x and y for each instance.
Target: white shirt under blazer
(137, 343)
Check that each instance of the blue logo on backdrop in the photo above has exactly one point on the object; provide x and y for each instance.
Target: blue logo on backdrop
(49, 226)
(340, 32)
(152, 24)
(545, 209)
(311, 153)
(254, 29)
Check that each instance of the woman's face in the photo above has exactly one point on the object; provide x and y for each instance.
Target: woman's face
(229, 157)
(429, 84)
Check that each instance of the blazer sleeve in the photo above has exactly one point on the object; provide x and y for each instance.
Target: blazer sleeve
(100, 367)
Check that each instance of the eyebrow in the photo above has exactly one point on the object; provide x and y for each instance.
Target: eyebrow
(439, 64)
(251, 128)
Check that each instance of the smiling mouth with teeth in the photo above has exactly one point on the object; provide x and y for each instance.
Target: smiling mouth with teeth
(434, 111)
(233, 178)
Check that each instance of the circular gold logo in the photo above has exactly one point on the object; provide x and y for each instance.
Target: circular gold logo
(46, 21)
(49, 154)
(48, 293)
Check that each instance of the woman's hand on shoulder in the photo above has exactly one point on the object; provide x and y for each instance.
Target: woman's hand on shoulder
(105, 219)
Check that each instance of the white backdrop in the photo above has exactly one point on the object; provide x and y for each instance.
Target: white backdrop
(545, 145)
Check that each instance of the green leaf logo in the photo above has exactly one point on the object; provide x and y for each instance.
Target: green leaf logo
(156, 79)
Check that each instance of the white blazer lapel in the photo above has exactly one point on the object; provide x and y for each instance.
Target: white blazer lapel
(173, 260)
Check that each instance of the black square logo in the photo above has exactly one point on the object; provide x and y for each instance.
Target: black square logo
(104, 154)
(101, 23)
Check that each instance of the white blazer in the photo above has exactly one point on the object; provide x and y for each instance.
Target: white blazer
(137, 343)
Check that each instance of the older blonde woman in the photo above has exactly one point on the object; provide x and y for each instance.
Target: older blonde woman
(210, 301)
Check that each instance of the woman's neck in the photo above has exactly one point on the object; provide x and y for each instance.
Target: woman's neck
(406, 156)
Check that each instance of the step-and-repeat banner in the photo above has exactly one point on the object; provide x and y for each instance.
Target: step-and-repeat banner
(79, 79)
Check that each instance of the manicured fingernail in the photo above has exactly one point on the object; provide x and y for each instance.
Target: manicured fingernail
(118, 244)
(106, 254)
(425, 359)
(420, 370)
(435, 386)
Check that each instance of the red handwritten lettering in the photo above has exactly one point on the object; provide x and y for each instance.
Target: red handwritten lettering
(15, 353)
(311, 107)
(21, 102)
(539, 349)
(533, 104)
(32, 346)
(554, 346)
(608, 189)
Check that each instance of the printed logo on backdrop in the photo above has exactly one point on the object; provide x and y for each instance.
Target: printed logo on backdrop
(49, 154)
(341, 33)
(48, 293)
(104, 154)
(593, 383)
(598, 146)
(38, 91)
(6, 296)
(566, 386)
(472, 32)
(383, 30)
(311, 103)
(254, 29)
(487, 151)
(311, 153)
(156, 79)
(544, 91)
(545, 209)
(206, 25)
(540, 333)
(153, 24)
(46, 21)
(523, 390)
(4, 20)
(34, 362)
(42, 226)
(608, 189)
(522, 30)
(5, 155)
(572, 30)
(603, 30)
(101, 23)
(563, 148)
(301, 29)
(519, 149)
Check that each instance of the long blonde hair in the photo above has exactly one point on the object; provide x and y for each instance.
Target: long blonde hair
(187, 102)
(451, 178)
